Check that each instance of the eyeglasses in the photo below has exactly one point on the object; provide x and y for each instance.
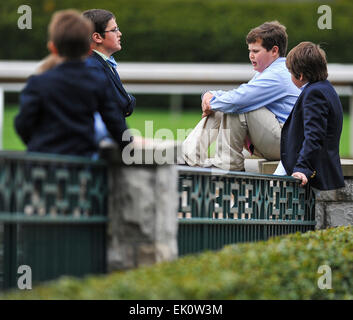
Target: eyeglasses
(115, 30)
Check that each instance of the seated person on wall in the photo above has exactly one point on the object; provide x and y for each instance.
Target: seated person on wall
(106, 40)
(311, 135)
(256, 110)
(57, 106)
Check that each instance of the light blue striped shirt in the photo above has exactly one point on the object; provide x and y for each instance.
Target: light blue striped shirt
(272, 88)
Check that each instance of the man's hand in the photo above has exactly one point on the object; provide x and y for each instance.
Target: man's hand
(206, 106)
(302, 177)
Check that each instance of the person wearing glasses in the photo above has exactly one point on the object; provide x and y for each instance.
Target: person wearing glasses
(106, 40)
(57, 106)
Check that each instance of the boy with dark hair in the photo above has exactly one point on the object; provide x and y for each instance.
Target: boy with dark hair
(253, 113)
(100, 19)
(57, 107)
(272, 34)
(310, 136)
(106, 40)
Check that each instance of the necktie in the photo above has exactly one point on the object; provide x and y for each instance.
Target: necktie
(130, 101)
(111, 61)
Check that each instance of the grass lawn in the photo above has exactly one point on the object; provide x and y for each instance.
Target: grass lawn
(161, 120)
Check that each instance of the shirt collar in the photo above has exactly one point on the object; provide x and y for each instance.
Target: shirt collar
(101, 54)
(111, 58)
(278, 60)
(274, 62)
(303, 86)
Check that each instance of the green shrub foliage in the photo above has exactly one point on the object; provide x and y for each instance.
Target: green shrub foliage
(282, 268)
(186, 30)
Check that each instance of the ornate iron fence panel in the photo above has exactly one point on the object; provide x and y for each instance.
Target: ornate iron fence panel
(53, 214)
(218, 208)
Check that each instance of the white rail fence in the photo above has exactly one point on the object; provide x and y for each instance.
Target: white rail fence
(174, 79)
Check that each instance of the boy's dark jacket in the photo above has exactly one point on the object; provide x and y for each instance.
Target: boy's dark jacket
(310, 136)
(123, 100)
(57, 108)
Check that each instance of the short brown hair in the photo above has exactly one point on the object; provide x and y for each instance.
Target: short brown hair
(100, 19)
(308, 59)
(272, 34)
(70, 33)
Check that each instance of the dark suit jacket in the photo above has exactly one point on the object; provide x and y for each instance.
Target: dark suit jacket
(57, 108)
(310, 137)
(124, 101)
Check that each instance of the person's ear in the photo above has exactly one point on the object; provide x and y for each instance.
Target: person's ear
(301, 77)
(275, 50)
(52, 48)
(97, 38)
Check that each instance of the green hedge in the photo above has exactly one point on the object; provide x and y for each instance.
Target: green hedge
(186, 30)
(282, 268)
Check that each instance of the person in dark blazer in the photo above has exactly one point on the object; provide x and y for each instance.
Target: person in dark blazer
(57, 106)
(311, 134)
(106, 40)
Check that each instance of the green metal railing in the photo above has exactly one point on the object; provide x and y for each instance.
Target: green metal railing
(53, 215)
(53, 212)
(217, 207)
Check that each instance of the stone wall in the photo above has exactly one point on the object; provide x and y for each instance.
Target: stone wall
(332, 208)
(335, 208)
(142, 212)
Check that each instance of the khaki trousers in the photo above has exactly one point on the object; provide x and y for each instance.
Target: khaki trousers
(229, 131)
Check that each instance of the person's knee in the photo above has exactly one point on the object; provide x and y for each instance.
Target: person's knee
(215, 119)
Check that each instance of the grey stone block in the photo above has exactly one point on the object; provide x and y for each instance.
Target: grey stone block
(143, 223)
(346, 193)
(342, 194)
(324, 196)
(320, 215)
(339, 214)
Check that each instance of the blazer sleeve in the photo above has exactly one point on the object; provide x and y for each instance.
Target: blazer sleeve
(130, 107)
(315, 117)
(30, 103)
